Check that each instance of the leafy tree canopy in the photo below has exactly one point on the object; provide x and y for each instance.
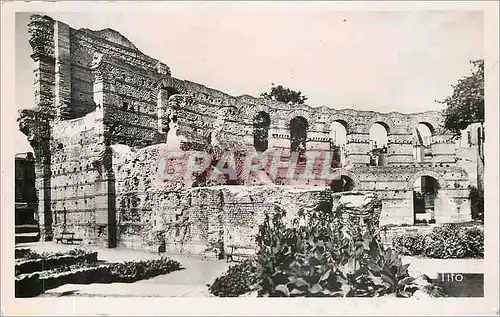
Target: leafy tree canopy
(284, 94)
(466, 105)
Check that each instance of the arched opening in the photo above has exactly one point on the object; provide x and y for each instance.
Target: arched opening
(298, 135)
(261, 124)
(342, 183)
(172, 91)
(338, 140)
(425, 193)
(422, 140)
(378, 144)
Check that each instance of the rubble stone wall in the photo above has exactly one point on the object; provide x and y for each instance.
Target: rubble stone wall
(78, 198)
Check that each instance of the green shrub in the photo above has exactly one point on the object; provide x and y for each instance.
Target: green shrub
(449, 241)
(238, 280)
(410, 244)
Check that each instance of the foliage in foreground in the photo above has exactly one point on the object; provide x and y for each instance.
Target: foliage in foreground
(34, 284)
(449, 241)
(318, 257)
(238, 280)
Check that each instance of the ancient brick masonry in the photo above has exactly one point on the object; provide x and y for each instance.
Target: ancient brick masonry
(103, 110)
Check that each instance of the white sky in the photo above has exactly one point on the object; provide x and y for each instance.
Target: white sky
(381, 61)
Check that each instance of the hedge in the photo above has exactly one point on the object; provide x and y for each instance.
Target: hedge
(34, 284)
(449, 241)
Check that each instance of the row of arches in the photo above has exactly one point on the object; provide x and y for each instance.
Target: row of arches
(378, 139)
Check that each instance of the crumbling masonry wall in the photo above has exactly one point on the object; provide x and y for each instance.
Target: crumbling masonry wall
(107, 109)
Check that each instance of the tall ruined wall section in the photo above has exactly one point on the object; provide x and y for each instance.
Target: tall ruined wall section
(96, 89)
(79, 199)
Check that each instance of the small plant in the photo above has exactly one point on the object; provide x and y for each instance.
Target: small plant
(78, 252)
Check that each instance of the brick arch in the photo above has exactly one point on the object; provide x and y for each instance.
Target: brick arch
(388, 124)
(252, 110)
(431, 123)
(350, 174)
(347, 121)
(166, 83)
(344, 123)
(438, 177)
(298, 113)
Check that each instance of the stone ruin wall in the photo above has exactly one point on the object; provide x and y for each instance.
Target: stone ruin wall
(79, 192)
(111, 104)
(192, 220)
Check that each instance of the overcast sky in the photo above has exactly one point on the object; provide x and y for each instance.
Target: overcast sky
(381, 61)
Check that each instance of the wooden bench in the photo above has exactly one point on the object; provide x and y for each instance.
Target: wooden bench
(234, 248)
(68, 238)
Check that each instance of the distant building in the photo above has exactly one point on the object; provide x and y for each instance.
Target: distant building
(25, 193)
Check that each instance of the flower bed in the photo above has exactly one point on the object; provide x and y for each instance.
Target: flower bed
(34, 284)
(444, 242)
(49, 262)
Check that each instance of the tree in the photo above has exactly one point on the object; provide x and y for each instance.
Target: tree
(284, 94)
(466, 105)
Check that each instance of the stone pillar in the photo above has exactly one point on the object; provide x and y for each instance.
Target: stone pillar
(215, 231)
(41, 30)
(36, 123)
(105, 200)
(398, 209)
(162, 113)
(400, 149)
(279, 137)
(43, 187)
(62, 87)
(452, 206)
(357, 149)
(318, 138)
